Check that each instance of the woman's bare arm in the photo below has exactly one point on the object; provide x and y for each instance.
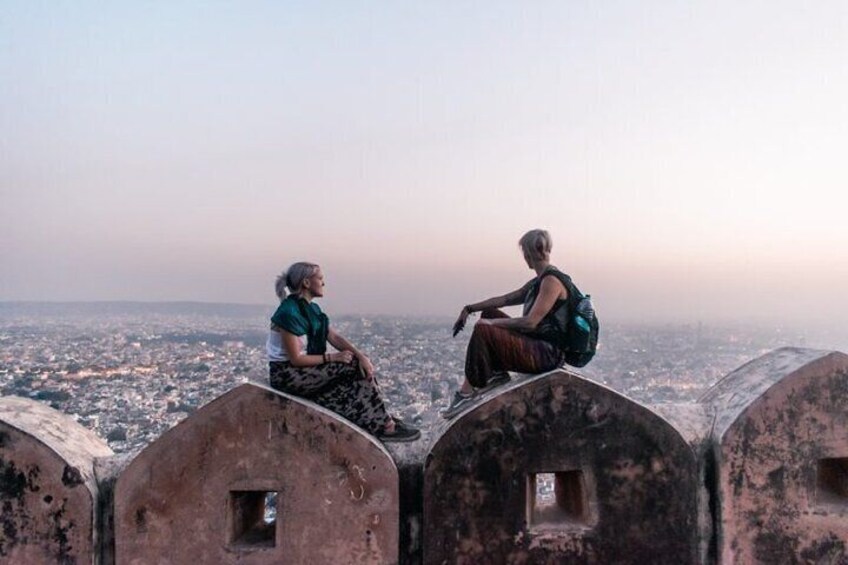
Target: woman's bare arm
(339, 342)
(550, 290)
(342, 344)
(298, 359)
(509, 299)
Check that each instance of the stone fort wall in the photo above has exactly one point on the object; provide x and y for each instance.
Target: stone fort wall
(755, 471)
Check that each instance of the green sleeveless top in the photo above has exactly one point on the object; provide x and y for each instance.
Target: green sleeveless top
(299, 317)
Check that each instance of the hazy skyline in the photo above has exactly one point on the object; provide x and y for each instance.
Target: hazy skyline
(685, 156)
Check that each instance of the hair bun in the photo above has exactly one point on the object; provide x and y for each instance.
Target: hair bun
(280, 285)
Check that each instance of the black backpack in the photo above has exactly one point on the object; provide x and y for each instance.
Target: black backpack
(581, 333)
(573, 326)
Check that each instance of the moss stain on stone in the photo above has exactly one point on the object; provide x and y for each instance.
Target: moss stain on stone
(71, 477)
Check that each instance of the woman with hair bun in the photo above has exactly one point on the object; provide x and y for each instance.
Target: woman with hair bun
(342, 381)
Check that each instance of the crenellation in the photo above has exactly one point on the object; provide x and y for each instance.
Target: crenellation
(781, 432)
(47, 485)
(546, 469)
(633, 476)
(211, 475)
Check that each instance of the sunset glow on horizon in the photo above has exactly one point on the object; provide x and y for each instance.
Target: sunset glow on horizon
(687, 158)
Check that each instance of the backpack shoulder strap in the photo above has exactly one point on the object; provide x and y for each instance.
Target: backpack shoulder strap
(574, 294)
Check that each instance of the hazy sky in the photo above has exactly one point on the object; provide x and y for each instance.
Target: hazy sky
(688, 157)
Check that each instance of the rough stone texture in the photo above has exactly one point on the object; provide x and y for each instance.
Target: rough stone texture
(641, 479)
(776, 418)
(694, 423)
(409, 458)
(338, 487)
(47, 486)
(107, 470)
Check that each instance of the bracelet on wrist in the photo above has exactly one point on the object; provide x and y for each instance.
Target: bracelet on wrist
(326, 358)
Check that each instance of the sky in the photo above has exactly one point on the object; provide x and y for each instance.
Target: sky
(688, 158)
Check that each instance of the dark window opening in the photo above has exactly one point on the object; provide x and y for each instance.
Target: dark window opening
(558, 499)
(832, 481)
(254, 518)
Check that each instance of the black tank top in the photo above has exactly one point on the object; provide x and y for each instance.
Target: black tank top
(553, 325)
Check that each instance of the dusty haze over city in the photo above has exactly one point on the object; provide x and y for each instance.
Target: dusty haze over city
(687, 158)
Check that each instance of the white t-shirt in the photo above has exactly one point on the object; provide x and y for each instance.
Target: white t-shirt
(275, 349)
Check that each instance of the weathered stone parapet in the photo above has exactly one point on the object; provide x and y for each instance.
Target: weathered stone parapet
(47, 485)
(551, 468)
(781, 452)
(202, 492)
(624, 482)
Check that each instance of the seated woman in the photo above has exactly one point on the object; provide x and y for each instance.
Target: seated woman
(300, 364)
(528, 344)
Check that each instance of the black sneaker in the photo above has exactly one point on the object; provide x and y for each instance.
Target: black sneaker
(402, 432)
(458, 403)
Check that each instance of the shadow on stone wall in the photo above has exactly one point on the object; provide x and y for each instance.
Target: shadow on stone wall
(549, 469)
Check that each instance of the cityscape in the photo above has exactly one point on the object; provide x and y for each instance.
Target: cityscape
(131, 371)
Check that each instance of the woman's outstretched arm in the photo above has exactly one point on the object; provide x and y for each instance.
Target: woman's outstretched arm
(509, 299)
(550, 290)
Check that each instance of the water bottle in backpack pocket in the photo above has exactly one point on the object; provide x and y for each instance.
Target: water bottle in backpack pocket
(581, 322)
(582, 332)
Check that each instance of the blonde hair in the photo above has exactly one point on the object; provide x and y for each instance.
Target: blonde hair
(293, 278)
(536, 244)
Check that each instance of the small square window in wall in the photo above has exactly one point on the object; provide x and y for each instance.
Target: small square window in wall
(253, 518)
(560, 500)
(832, 481)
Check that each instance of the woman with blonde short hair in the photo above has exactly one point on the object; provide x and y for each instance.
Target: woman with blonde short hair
(527, 344)
(342, 381)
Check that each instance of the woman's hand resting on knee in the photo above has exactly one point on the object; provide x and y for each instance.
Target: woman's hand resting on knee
(341, 357)
(366, 366)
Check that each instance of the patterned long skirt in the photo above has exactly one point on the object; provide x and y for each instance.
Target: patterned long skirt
(339, 387)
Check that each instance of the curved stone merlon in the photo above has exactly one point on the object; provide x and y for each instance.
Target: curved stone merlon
(47, 487)
(623, 481)
(199, 493)
(781, 450)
